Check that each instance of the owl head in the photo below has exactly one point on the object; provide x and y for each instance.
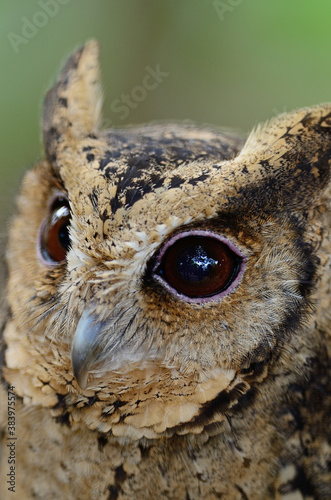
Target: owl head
(161, 276)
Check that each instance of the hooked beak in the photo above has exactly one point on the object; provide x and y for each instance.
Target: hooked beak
(110, 343)
(85, 348)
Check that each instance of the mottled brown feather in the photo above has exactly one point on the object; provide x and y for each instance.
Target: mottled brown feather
(228, 398)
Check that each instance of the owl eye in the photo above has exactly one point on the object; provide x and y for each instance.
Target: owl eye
(54, 240)
(200, 266)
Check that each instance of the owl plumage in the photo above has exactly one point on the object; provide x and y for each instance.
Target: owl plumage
(166, 325)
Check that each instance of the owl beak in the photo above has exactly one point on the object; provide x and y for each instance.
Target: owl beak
(85, 348)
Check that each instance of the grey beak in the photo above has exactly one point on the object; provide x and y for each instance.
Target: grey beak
(85, 348)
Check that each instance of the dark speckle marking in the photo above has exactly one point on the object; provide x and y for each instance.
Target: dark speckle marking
(246, 399)
(109, 171)
(90, 157)
(201, 178)
(176, 181)
(144, 450)
(114, 491)
(139, 162)
(120, 475)
(118, 404)
(265, 164)
(94, 199)
(109, 156)
(181, 154)
(222, 402)
(241, 491)
(63, 419)
(92, 400)
(300, 482)
(63, 101)
(102, 441)
(52, 137)
(136, 193)
(157, 180)
(104, 216)
(103, 163)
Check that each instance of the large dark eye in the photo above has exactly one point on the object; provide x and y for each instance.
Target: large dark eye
(54, 240)
(199, 266)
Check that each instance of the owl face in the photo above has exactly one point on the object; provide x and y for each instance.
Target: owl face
(166, 268)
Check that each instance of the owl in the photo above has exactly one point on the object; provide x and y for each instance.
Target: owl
(166, 323)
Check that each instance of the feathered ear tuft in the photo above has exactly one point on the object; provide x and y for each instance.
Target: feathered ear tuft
(72, 107)
(292, 153)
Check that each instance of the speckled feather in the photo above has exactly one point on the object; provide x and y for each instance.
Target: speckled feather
(227, 398)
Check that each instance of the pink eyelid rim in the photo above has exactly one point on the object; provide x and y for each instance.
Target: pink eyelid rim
(209, 234)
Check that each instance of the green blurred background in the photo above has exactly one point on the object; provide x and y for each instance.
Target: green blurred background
(231, 63)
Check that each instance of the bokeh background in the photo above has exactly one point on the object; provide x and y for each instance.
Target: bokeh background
(231, 63)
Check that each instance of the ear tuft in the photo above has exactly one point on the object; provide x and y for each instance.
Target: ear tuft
(72, 107)
(293, 151)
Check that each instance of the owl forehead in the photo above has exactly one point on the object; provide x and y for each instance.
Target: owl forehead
(135, 176)
(135, 166)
